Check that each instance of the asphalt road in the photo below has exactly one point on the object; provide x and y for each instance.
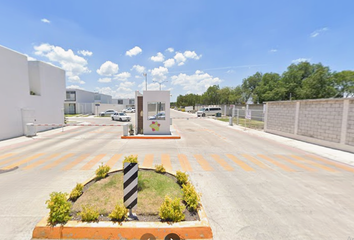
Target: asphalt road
(252, 187)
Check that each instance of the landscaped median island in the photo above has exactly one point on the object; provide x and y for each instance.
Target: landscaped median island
(167, 204)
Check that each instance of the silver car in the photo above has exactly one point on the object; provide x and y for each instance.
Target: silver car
(120, 117)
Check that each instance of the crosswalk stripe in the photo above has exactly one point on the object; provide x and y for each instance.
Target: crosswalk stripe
(314, 163)
(203, 163)
(6, 155)
(3, 162)
(222, 162)
(148, 160)
(76, 161)
(280, 165)
(243, 165)
(338, 165)
(57, 162)
(255, 161)
(183, 161)
(111, 162)
(166, 162)
(26, 160)
(296, 163)
(91, 163)
(41, 161)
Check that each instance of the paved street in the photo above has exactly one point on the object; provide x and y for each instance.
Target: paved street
(252, 187)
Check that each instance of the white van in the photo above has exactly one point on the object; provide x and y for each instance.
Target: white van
(208, 111)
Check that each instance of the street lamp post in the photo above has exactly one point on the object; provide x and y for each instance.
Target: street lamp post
(160, 83)
(146, 83)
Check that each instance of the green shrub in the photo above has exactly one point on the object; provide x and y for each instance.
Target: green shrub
(101, 171)
(76, 192)
(119, 213)
(59, 208)
(172, 210)
(160, 168)
(88, 214)
(191, 197)
(130, 159)
(182, 178)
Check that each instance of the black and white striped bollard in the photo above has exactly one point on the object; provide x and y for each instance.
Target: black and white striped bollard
(130, 187)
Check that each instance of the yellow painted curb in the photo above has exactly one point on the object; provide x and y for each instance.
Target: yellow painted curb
(125, 230)
(151, 137)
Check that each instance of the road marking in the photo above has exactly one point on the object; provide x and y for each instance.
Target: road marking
(296, 163)
(6, 155)
(57, 162)
(91, 163)
(186, 166)
(41, 161)
(313, 163)
(338, 165)
(26, 160)
(166, 162)
(148, 160)
(280, 165)
(77, 161)
(255, 161)
(203, 163)
(243, 165)
(3, 162)
(111, 162)
(222, 162)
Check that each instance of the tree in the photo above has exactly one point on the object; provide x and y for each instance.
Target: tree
(249, 85)
(269, 89)
(236, 96)
(225, 93)
(211, 96)
(344, 83)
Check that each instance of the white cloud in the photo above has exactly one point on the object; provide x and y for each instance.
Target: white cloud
(137, 76)
(119, 91)
(105, 80)
(29, 58)
(230, 71)
(180, 58)
(170, 50)
(273, 50)
(158, 58)
(74, 65)
(122, 76)
(108, 69)
(84, 53)
(301, 60)
(134, 51)
(197, 83)
(139, 69)
(45, 20)
(159, 74)
(127, 84)
(75, 86)
(318, 32)
(169, 63)
(192, 55)
(151, 86)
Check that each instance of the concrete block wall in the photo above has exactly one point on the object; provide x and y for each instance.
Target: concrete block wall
(327, 122)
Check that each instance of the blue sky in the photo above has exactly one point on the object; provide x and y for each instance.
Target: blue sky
(106, 46)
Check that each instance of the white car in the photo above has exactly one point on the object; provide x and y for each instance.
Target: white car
(108, 112)
(129, 110)
(120, 117)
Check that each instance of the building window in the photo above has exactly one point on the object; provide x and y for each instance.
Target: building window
(98, 97)
(120, 101)
(156, 111)
(70, 96)
(131, 101)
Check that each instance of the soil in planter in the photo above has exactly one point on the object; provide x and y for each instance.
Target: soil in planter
(152, 188)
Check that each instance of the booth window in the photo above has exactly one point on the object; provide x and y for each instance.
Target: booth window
(156, 111)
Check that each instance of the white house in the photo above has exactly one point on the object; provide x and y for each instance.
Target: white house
(124, 102)
(32, 92)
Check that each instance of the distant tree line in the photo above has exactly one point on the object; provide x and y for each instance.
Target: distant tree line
(299, 81)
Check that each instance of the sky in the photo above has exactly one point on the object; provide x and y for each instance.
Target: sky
(183, 46)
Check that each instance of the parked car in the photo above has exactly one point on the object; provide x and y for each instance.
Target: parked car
(120, 117)
(129, 110)
(209, 111)
(159, 116)
(108, 112)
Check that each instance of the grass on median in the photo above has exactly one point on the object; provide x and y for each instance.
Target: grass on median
(254, 124)
(104, 194)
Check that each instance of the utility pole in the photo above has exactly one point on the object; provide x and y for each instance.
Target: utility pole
(160, 83)
(146, 81)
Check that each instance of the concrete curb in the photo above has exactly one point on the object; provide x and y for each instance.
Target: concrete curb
(151, 137)
(125, 230)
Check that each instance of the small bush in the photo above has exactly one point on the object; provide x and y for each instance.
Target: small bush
(160, 168)
(191, 197)
(101, 171)
(88, 214)
(182, 178)
(130, 159)
(172, 210)
(76, 192)
(119, 213)
(59, 208)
